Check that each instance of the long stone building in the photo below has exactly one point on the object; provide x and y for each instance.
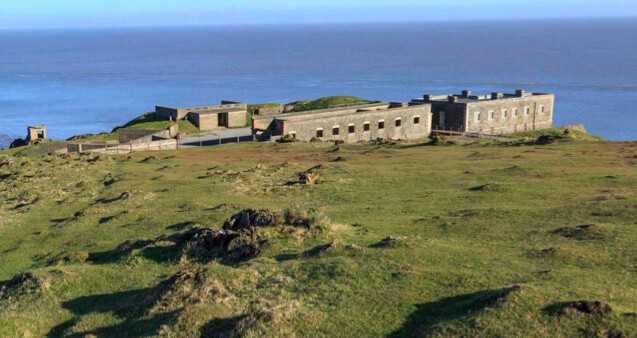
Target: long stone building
(379, 120)
(496, 113)
(227, 115)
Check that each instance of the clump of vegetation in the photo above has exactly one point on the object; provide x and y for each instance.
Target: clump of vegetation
(24, 283)
(442, 140)
(489, 187)
(581, 232)
(327, 102)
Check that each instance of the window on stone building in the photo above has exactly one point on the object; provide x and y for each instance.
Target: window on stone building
(541, 109)
(504, 113)
(476, 116)
(319, 132)
(381, 124)
(417, 120)
(514, 112)
(490, 116)
(366, 126)
(351, 129)
(527, 110)
(335, 131)
(399, 122)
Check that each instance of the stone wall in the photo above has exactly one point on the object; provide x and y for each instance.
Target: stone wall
(237, 119)
(167, 113)
(415, 123)
(269, 111)
(506, 114)
(511, 115)
(135, 135)
(210, 121)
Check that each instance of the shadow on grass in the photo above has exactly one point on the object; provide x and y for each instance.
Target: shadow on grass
(131, 306)
(221, 327)
(149, 249)
(313, 252)
(429, 317)
(180, 226)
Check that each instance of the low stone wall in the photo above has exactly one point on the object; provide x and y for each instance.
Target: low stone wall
(136, 147)
(128, 135)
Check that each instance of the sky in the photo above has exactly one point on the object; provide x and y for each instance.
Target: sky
(70, 13)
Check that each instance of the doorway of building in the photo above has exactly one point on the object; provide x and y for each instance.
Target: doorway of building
(441, 120)
(222, 120)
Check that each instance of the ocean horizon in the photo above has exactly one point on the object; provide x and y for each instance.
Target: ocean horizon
(78, 81)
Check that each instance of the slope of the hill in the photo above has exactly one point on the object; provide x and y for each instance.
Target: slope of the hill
(395, 239)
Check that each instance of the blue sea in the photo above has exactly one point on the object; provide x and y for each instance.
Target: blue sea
(91, 80)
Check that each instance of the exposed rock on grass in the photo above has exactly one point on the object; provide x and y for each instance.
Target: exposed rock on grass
(252, 218)
(207, 244)
(6, 160)
(296, 216)
(581, 232)
(25, 283)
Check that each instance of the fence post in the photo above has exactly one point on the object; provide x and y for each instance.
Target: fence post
(237, 137)
(219, 135)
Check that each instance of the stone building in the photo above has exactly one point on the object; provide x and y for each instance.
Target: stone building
(494, 114)
(36, 133)
(227, 115)
(268, 111)
(350, 124)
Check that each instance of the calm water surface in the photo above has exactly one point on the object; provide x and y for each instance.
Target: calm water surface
(90, 80)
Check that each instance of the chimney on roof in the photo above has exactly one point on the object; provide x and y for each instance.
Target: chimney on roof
(519, 92)
(495, 96)
(452, 98)
(427, 97)
(466, 93)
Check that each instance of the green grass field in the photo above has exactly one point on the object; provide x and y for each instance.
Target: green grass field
(487, 241)
(327, 102)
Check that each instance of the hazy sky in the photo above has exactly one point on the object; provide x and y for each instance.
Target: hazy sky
(26, 13)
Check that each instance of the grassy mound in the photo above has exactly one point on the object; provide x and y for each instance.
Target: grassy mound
(148, 121)
(327, 102)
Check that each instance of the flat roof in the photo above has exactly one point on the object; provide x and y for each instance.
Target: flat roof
(475, 98)
(219, 110)
(339, 113)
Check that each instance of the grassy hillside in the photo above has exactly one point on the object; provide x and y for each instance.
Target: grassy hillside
(327, 102)
(395, 239)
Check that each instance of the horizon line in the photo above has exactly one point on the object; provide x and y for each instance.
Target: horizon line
(315, 23)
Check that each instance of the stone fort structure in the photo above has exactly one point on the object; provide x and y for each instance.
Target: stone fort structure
(493, 114)
(378, 120)
(227, 115)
